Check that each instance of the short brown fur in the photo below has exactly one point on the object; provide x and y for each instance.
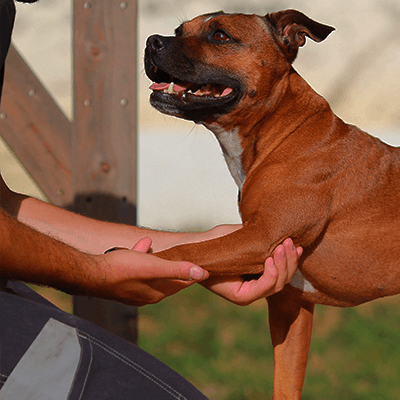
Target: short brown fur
(332, 188)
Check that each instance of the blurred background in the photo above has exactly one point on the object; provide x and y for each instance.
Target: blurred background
(185, 185)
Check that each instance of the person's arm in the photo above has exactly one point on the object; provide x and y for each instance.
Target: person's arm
(127, 276)
(26, 254)
(90, 235)
(79, 267)
(131, 277)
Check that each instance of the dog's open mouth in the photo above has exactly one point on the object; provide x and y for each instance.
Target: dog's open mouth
(191, 92)
(193, 96)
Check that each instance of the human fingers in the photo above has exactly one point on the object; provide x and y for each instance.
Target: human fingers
(293, 255)
(178, 270)
(146, 266)
(279, 261)
(286, 258)
(240, 292)
(137, 278)
(266, 285)
(143, 245)
(270, 281)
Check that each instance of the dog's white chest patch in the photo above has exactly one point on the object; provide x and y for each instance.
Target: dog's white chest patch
(301, 283)
(232, 149)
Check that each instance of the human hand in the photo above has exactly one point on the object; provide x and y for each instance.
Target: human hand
(279, 270)
(135, 278)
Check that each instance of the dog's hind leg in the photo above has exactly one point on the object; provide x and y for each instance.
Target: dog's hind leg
(290, 321)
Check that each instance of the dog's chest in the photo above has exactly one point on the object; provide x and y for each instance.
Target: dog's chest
(232, 149)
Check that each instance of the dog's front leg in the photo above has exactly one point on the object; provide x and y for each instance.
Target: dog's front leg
(241, 252)
(290, 321)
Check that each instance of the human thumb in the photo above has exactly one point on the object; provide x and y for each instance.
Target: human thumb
(143, 245)
(196, 273)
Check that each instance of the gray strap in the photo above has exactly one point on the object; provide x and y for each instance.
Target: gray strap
(47, 369)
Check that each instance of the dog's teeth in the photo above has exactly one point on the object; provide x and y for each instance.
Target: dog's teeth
(171, 88)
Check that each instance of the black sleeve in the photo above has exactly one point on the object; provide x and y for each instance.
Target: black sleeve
(7, 16)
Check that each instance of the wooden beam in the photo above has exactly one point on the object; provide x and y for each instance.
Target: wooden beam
(104, 144)
(105, 97)
(37, 130)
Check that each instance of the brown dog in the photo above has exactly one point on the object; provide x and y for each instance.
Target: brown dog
(302, 172)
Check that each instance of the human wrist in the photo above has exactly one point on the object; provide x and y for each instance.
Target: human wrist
(91, 277)
(80, 274)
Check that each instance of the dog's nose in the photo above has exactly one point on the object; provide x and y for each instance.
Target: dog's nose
(156, 42)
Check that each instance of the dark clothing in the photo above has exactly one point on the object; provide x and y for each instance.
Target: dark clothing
(50, 355)
(7, 15)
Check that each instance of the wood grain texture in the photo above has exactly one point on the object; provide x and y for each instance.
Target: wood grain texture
(37, 130)
(104, 133)
(105, 98)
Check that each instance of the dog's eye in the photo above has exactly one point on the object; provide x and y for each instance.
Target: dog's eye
(220, 36)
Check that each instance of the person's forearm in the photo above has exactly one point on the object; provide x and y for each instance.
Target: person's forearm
(128, 276)
(91, 235)
(28, 255)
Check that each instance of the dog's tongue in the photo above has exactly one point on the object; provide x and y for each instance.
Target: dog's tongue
(207, 90)
(181, 87)
(226, 91)
(163, 86)
(159, 86)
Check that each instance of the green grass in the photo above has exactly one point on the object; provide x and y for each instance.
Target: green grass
(226, 351)
(359, 358)
(221, 348)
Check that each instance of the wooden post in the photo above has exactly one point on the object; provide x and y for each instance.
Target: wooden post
(104, 132)
(105, 98)
(89, 165)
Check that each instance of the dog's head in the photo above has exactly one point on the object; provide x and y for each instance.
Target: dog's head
(217, 63)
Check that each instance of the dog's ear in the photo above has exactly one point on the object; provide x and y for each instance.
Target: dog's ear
(291, 28)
